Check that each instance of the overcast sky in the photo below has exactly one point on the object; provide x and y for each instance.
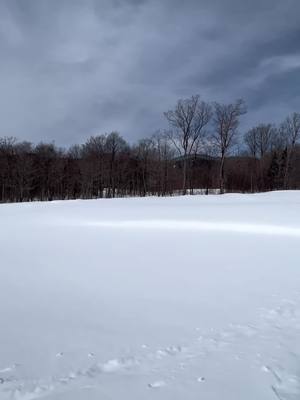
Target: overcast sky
(73, 68)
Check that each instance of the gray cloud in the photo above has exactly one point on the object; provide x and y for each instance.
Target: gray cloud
(72, 68)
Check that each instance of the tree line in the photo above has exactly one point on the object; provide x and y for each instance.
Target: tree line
(201, 149)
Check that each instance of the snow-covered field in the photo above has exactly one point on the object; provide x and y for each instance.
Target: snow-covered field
(156, 298)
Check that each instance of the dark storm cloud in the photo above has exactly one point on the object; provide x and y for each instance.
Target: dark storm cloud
(72, 68)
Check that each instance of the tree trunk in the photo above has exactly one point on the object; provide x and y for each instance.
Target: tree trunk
(287, 169)
(221, 175)
(184, 176)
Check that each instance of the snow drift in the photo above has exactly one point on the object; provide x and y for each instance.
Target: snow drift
(165, 298)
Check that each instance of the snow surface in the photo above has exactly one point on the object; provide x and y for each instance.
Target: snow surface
(157, 298)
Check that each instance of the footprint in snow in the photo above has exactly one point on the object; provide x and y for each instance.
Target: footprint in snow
(168, 351)
(287, 386)
(156, 384)
(116, 365)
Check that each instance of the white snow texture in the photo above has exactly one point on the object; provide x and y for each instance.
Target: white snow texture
(157, 298)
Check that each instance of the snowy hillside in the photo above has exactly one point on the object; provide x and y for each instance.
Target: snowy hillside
(157, 298)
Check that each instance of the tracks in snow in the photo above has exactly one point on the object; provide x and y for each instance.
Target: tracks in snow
(269, 346)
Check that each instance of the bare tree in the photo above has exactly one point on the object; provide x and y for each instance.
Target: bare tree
(165, 153)
(105, 165)
(260, 139)
(290, 130)
(188, 121)
(93, 152)
(145, 154)
(265, 136)
(7, 152)
(24, 173)
(226, 121)
(250, 139)
(48, 171)
(115, 144)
